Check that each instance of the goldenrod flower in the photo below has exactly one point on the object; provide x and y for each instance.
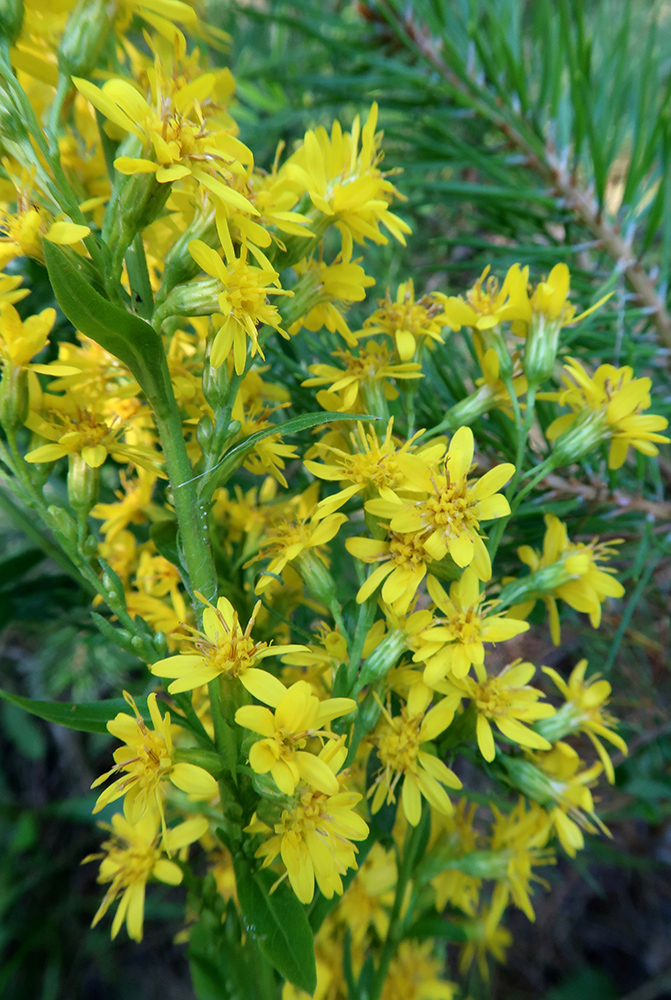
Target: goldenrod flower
(447, 518)
(408, 320)
(76, 431)
(398, 741)
(549, 299)
(223, 649)
(146, 761)
(485, 936)
(345, 183)
(370, 465)
(335, 286)
(403, 565)
(299, 715)
(366, 904)
(134, 498)
(582, 581)
(22, 232)
(457, 834)
(416, 973)
(314, 837)
(288, 540)
(10, 290)
(132, 855)
(364, 375)
(455, 642)
(243, 302)
(486, 304)
(513, 839)
(585, 712)
(176, 140)
(508, 701)
(606, 406)
(21, 340)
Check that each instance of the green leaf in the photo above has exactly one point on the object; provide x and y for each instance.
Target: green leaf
(87, 717)
(236, 456)
(278, 923)
(123, 334)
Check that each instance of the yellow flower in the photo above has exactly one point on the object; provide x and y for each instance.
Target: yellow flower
(175, 139)
(134, 498)
(298, 717)
(336, 286)
(345, 183)
(132, 855)
(21, 340)
(398, 742)
(456, 833)
(146, 761)
(486, 936)
(455, 642)
(407, 320)
(550, 300)
(223, 649)
(447, 518)
(22, 232)
(10, 290)
(513, 839)
(243, 303)
(371, 464)
(508, 701)
(314, 836)
(288, 540)
(356, 386)
(416, 973)
(486, 305)
(569, 805)
(605, 406)
(369, 898)
(585, 712)
(403, 564)
(582, 581)
(85, 433)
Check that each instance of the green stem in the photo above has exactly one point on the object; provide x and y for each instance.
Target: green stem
(63, 91)
(138, 275)
(413, 839)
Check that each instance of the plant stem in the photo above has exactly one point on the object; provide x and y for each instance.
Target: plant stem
(413, 837)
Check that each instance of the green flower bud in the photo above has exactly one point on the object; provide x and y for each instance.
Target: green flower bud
(14, 397)
(63, 524)
(583, 436)
(382, 659)
(529, 780)
(541, 348)
(316, 577)
(85, 34)
(83, 485)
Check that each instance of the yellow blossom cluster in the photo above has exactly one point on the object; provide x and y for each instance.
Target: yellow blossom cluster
(223, 438)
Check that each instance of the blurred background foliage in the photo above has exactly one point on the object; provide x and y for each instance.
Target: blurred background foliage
(529, 131)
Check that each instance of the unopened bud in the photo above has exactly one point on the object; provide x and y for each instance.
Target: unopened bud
(541, 348)
(528, 779)
(83, 485)
(316, 577)
(13, 397)
(588, 431)
(85, 34)
(382, 659)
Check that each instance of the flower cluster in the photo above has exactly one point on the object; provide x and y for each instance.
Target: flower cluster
(317, 585)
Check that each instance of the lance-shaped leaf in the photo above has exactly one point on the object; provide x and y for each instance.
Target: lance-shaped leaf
(278, 923)
(87, 717)
(123, 334)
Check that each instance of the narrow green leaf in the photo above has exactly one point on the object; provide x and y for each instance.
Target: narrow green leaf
(278, 923)
(236, 456)
(87, 717)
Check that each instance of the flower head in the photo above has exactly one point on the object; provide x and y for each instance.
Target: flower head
(224, 649)
(299, 717)
(408, 320)
(398, 741)
(146, 761)
(607, 406)
(131, 856)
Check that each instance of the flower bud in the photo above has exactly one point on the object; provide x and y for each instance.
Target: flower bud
(316, 577)
(543, 581)
(11, 20)
(583, 436)
(83, 485)
(529, 780)
(62, 523)
(566, 720)
(541, 348)
(382, 659)
(13, 397)
(85, 34)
